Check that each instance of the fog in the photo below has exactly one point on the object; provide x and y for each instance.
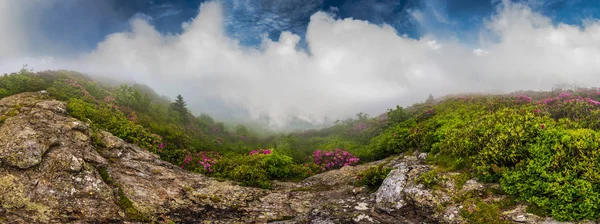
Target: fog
(349, 65)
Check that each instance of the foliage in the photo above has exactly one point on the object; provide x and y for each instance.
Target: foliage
(482, 212)
(429, 178)
(201, 161)
(373, 176)
(259, 169)
(562, 174)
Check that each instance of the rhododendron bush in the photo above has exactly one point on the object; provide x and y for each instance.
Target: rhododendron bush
(201, 161)
(336, 159)
(542, 147)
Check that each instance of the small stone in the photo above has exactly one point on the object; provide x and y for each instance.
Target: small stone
(361, 206)
(472, 185)
(520, 218)
(75, 164)
(422, 156)
(78, 126)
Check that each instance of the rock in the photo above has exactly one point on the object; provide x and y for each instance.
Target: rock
(110, 141)
(422, 156)
(76, 125)
(75, 164)
(54, 106)
(20, 146)
(472, 185)
(519, 214)
(390, 195)
(361, 206)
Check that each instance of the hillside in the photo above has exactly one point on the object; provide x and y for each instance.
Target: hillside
(471, 158)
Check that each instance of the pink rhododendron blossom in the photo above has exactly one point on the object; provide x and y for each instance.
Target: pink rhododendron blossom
(334, 159)
(203, 160)
(260, 151)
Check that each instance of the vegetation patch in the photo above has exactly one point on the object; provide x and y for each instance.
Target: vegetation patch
(479, 212)
(373, 176)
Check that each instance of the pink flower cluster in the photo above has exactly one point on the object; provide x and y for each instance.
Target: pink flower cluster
(334, 159)
(202, 159)
(523, 99)
(360, 127)
(564, 95)
(109, 99)
(565, 99)
(260, 151)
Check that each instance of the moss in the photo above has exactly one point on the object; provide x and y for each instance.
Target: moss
(130, 211)
(283, 218)
(13, 196)
(201, 196)
(12, 113)
(105, 175)
(123, 201)
(215, 199)
(477, 211)
(2, 119)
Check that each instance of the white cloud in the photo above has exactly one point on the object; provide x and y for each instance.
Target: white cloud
(352, 65)
(480, 52)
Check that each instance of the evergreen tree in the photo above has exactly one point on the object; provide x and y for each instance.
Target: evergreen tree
(430, 99)
(179, 107)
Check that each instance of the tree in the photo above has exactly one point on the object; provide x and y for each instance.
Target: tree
(132, 98)
(179, 107)
(241, 130)
(430, 99)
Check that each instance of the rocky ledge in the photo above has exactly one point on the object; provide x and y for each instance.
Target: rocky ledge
(51, 172)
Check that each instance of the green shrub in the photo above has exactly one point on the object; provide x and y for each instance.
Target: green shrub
(393, 141)
(105, 117)
(562, 176)
(373, 176)
(429, 179)
(259, 169)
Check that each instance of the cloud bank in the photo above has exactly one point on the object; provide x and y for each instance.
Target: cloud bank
(349, 65)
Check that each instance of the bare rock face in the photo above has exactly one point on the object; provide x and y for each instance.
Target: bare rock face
(45, 175)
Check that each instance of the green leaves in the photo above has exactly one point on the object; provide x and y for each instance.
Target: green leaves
(373, 176)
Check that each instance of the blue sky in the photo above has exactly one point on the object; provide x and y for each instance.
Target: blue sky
(82, 24)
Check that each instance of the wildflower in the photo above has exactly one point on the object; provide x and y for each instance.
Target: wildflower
(542, 126)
